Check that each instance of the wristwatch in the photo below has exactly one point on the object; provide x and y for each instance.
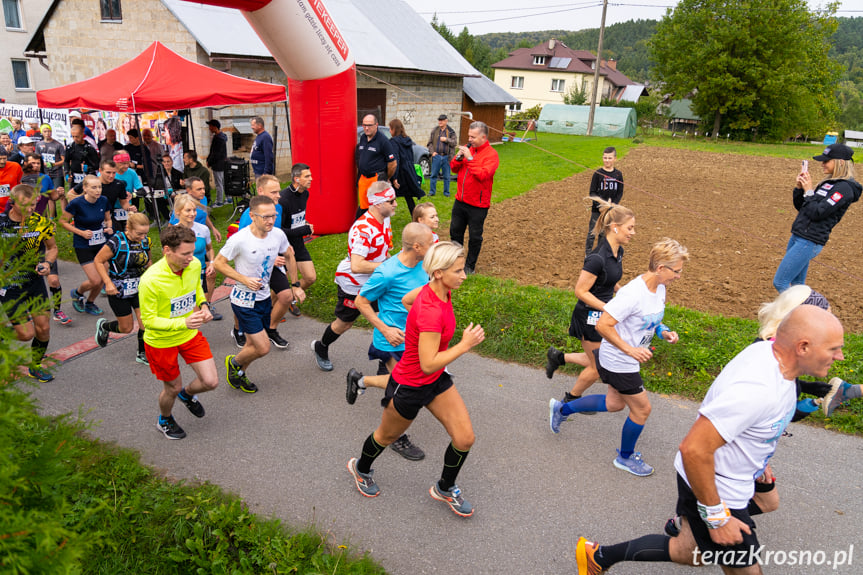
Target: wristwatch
(295, 284)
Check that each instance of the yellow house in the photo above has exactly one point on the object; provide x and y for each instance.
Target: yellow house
(545, 73)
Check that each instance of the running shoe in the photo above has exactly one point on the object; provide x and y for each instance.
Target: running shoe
(672, 526)
(354, 388)
(835, 397)
(555, 417)
(276, 339)
(554, 359)
(92, 308)
(453, 498)
(295, 309)
(404, 447)
(633, 464)
(584, 558)
(382, 368)
(40, 374)
(237, 379)
(323, 363)
(62, 317)
(141, 357)
(101, 333)
(216, 315)
(239, 338)
(170, 428)
(77, 301)
(365, 483)
(192, 404)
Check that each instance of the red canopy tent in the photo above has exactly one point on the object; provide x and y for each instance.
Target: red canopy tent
(159, 79)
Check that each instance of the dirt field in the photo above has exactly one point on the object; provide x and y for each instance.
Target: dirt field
(734, 213)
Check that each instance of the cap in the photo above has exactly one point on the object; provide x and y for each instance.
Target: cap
(44, 126)
(74, 114)
(25, 140)
(134, 133)
(835, 152)
(122, 157)
(442, 117)
(816, 299)
(388, 194)
(33, 121)
(214, 123)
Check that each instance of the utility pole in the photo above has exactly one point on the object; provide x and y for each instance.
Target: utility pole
(596, 72)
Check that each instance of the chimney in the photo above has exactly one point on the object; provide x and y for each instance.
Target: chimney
(551, 44)
(612, 64)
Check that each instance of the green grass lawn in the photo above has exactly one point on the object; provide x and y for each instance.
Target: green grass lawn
(801, 151)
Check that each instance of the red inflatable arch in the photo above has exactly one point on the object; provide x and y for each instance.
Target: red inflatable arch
(322, 87)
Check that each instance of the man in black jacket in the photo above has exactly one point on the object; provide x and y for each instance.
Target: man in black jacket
(293, 200)
(218, 159)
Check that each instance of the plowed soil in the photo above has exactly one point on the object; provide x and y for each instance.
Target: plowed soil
(732, 212)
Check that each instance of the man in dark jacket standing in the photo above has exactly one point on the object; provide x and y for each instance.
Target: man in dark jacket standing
(262, 156)
(474, 167)
(441, 145)
(218, 159)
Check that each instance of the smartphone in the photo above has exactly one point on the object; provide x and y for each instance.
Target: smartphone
(805, 167)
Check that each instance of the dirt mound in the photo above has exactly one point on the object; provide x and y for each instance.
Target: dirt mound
(733, 212)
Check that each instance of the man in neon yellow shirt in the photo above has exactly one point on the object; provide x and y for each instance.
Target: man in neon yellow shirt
(173, 307)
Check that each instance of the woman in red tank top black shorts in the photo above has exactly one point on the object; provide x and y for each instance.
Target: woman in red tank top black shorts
(420, 379)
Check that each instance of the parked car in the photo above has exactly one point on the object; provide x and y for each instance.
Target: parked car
(421, 153)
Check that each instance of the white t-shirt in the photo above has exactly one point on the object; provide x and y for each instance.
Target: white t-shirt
(750, 404)
(369, 239)
(638, 312)
(254, 257)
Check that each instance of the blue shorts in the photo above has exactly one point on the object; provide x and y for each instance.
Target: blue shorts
(384, 356)
(254, 319)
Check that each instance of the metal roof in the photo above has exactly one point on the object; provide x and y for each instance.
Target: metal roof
(380, 33)
(483, 91)
(632, 93)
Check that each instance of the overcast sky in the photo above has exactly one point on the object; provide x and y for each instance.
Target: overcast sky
(484, 16)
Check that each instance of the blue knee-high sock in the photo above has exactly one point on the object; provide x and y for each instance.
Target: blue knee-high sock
(588, 403)
(630, 434)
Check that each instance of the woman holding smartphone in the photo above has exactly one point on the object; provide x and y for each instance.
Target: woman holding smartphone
(818, 212)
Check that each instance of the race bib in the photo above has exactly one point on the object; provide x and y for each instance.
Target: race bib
(593, 317)
(242, 297)
(120, 214)
(2, 292)
(158, 193)
(77, 178)
(4, 191)
(48, 158)
(98, 238)
(181, 305)
(645, 341)
(130, 286)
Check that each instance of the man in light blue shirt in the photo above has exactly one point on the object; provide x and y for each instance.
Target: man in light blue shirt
(388, 284)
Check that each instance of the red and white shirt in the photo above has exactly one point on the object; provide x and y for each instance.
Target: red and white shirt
(370, 239)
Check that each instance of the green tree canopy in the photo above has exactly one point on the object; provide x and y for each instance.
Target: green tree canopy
(754, 66)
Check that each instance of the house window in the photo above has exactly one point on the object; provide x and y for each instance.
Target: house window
(21, 73)
(517, 82)
(515, 107)
(111, 11)
(12, 14)
(539, 60)
(557, 85)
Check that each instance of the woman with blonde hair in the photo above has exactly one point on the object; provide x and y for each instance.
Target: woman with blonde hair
(121, 262)
(186, 210)
(596, 285)
(831, 394)
(420, 379)
(627, 326)
(818, 212)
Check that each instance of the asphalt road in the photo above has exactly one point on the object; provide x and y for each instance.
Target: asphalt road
(284, 451)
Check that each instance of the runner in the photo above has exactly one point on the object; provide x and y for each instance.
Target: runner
(254, 250)
(627, 327)
(426, 213)
(121, 262)
(284, 292)
(186, 210)
(386, 287)
(293, 200)
(92, 216)
(597, 283)
(172, 309)
(739, 424)
(369, 243)
(26, 296)
(420, 379)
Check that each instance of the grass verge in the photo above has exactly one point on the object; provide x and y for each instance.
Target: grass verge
(69, 504)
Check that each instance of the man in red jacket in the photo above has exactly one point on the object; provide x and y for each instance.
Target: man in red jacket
(474, 166)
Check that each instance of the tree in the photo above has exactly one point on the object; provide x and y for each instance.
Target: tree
(755, 66)
(576, 96)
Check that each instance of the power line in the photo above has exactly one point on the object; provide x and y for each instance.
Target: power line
(593, 5)
(496, 10)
